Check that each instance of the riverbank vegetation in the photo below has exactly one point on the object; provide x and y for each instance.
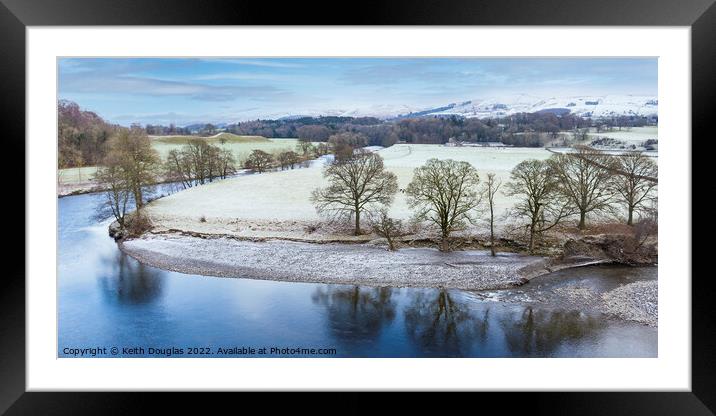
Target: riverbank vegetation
(532, 211)
(448, 196)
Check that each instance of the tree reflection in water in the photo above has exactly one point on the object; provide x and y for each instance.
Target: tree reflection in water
(542, 332)
(440, 325)
(356, 315)
(130, 282)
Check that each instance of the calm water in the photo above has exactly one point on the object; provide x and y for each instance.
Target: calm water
(107, 299)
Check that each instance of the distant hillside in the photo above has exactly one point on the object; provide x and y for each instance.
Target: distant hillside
(605, 106)
(81, 135)
(198, 126)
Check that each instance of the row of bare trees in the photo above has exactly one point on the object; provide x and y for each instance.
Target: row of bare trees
(446, 193)
(260, 161)
(443, 192)
(342, 145)
(582, 183)
(130, 165)
(449, 193)
(199, 162)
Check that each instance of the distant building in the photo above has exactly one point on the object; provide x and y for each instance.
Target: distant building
(452, 142)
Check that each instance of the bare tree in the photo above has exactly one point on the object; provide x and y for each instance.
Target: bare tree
(132, 153)
(199, 162)
(287, 159)
(321, 149)
(580, 134)
(343, 144)
(117, 191)
(197, 152)
(631, 184)
(304, 146)
(646, 227)
(386, 227)
(585, 178)
(213, 162)
(540, 200)
(227, 163)
(444, 192)
(490, 188)
(178, 168)
(356, 184)
(259, 161)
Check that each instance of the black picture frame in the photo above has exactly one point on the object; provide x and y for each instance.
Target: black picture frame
(16, 15)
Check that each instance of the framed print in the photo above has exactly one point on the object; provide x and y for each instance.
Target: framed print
(442, 200)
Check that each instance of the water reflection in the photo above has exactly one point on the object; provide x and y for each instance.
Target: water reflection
(440, 324)
(108, 298)
(539, 332)
(356, 315)
(128, 281)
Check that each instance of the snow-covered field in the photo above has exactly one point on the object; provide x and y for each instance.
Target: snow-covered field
(76, 175)
(635, 135)
(241, 150)
(74, 179)
(276, 204)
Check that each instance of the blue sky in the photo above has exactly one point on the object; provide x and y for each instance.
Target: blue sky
(184, 91)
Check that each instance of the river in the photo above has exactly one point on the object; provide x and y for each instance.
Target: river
(107, 299)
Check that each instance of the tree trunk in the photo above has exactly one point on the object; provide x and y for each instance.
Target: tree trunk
(630, 220)
(582, 218)
(532, 241)
(444, 242)
(357, 230)
(391, 244)
(138, 198)
(492, 232)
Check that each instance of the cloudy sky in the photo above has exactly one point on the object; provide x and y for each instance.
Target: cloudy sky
(184, 91)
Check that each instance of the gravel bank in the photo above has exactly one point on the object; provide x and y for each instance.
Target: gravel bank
(636, 301)
(592, 291)
(363, 264)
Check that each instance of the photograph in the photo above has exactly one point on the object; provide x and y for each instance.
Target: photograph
(357, 206)
(463, 196)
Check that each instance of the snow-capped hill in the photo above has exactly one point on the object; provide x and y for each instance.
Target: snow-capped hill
(381, 111)
(585, 106)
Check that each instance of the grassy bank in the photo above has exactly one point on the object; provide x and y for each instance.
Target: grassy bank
(81, 180)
